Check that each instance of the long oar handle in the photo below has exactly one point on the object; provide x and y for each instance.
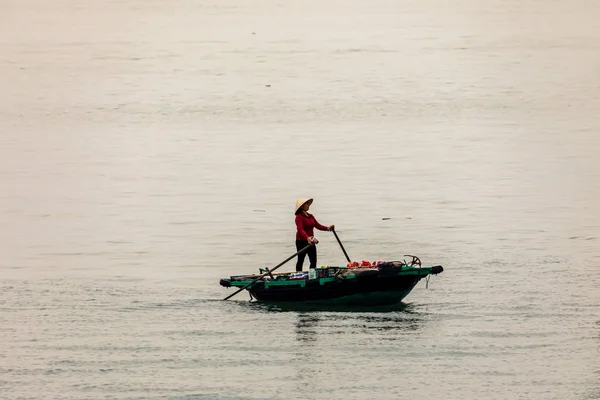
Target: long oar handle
(270, 271)
(341, 245)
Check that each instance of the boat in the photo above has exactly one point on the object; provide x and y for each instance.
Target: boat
(365, 283)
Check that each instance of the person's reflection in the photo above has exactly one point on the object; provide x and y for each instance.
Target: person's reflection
(306, 355)
(306, 324)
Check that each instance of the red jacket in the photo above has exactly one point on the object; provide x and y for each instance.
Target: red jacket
(305, 226)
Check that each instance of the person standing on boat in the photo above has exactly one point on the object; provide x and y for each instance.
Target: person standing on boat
(305, 224)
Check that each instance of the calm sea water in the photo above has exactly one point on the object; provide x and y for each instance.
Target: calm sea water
(149, 148)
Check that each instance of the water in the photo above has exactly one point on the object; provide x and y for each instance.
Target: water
(150, 148)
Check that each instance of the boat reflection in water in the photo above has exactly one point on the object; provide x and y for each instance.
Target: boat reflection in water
(312, 321)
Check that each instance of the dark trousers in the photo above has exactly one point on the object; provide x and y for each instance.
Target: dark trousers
(312, 254)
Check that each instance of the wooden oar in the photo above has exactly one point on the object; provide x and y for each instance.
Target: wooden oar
(340, 242)
(270, 271)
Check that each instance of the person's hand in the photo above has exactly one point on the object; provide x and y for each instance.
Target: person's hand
(312, 240)
(331, 227)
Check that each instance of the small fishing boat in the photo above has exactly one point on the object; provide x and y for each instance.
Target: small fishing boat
(365, 283)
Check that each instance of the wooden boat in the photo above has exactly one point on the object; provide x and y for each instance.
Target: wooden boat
(378, 283)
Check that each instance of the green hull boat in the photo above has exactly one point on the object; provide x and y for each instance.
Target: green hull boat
(383, 283)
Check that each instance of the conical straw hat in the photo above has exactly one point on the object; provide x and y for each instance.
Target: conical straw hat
(300, 203)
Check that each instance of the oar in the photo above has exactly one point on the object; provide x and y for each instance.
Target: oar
(270, 271)
(342, 246)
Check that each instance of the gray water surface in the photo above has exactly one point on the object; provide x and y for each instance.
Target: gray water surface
(150, 148)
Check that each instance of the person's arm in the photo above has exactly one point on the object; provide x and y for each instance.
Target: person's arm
(300, 227)
(322, 227)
